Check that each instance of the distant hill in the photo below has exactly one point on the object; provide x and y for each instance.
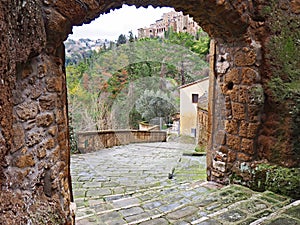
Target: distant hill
(83, 48)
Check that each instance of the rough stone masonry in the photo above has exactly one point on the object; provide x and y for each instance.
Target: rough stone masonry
(253, 110)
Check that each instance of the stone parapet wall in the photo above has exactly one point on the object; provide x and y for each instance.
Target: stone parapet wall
(96, 140)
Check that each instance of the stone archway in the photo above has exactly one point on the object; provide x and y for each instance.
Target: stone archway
(34, 148)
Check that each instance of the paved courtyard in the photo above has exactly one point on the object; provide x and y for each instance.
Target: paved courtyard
(161, 183)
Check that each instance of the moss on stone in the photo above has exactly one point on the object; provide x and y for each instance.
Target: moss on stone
(200, 148)
(257, 95)
(278, 179)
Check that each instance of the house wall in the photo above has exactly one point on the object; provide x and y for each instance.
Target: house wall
(188, 110)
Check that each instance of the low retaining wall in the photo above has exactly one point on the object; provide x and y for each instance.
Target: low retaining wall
(95, 140)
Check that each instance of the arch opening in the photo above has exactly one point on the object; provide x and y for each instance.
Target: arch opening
(152, 52)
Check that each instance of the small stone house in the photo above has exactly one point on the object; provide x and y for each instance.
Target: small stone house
(189, 97)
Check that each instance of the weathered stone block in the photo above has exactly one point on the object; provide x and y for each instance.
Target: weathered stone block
(234, 93)
(23, 161)
(277, 179)
(45, 120)
(231, 126)
(27, 110)
(34, 137)
(243, 94)
(231, 156)
(232, 76)
(48, 102)
(238, 111)
(252, 130)
(233, 141)
(54, 84)
(249, 76)
(245, 57)
(57, 23)
(47, 145)
(243, 128)
(41, 152)
(36, 91)
(247, 146)
(50, 143)
(19, 137)
(52, 131)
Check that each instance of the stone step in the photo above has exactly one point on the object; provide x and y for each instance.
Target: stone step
(143, 205)
(190, 204)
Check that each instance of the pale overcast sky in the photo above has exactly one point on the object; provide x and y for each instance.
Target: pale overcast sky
(110, 26)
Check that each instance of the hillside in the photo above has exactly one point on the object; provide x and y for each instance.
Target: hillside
(107, 88)
(77, 50)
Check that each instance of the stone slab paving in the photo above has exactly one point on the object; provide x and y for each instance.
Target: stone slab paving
(131, 185)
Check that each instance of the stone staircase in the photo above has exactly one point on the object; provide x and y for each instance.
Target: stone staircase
(184, 203)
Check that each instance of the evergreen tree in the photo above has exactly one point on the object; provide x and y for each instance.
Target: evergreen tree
(121, 40)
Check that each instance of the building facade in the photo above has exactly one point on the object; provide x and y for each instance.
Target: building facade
(174, 20)
(189, 96)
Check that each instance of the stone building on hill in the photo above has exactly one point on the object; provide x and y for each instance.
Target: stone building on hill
(175, 20)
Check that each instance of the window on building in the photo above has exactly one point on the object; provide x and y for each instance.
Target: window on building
(195, 98)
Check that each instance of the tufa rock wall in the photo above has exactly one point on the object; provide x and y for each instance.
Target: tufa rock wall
(34, 155)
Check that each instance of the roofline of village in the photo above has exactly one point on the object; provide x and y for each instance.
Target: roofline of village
(192, 83)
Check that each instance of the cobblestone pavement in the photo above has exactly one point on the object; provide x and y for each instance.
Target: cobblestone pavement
(131, 185)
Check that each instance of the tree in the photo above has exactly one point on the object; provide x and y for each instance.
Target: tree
(121, 40)
(131, 37)
(155, 104)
